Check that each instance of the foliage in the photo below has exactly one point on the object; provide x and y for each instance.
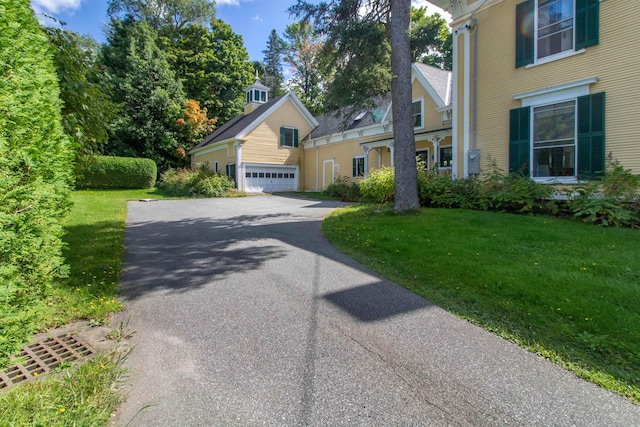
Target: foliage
(167, 17)
(302, 48)
(431, 39)
(194, 183)
(378, 186)
(344, 190)
(195, 125)
(86, 396)
(35, 174)
(213, 66)
(118, 172)
(273, 77)
(562, 289)
(84, 89)
(150, 96)
(614, 201)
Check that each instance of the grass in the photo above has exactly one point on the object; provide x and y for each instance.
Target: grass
(565, 290)
(95, 243)
(77, 397)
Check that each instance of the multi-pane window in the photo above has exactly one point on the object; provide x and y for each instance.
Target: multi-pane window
(446, 157)
(554, 140)
(422, 158)
(288, 137)
(555, 27)
(358, 166)
(416, 107)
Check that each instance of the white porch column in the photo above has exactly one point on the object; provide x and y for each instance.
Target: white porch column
(435, 140)
(239, 166)
(366, 160)
(393, 158)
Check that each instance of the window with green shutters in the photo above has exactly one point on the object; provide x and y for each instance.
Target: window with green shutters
(543, 140)
(288, 137)
(545, 28)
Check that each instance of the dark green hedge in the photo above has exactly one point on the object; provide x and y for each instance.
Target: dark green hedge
(117, 172)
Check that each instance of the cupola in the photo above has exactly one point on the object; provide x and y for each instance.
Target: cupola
(257, 94)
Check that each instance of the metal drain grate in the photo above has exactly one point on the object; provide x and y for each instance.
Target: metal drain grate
(43, 357)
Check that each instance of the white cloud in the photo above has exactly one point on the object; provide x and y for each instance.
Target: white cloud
(231, 2)
(56, 6)
(257, 18)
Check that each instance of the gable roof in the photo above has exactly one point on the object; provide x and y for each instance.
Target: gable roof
(240, 125)
(437, 83)
(337, 121)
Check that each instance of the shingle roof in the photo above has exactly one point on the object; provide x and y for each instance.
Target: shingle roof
(439, 79)
(234, 126)
(336, 121)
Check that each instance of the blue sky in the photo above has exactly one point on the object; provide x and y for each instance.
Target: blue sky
(252, 19)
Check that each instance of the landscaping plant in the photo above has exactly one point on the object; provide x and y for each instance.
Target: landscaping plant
(35, 175)
(194, 183)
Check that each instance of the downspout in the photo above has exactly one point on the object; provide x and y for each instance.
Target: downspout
(474, 27)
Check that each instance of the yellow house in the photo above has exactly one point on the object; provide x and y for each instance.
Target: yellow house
(260, 149)
(349, 147)
(549, 88)
(277, 145)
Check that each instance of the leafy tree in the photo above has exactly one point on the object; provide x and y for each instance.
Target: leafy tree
(273, 77)
(213, 65)
(35, 175)
(368, 40)
(167, 17)
(84, 90)
(302, 48)
(431, 39)
(148, 92)
(193, 125)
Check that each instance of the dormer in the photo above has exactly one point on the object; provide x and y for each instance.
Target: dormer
(257, 94)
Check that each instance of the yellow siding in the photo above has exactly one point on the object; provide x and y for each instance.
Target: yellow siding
(262, 145)
(224, 156)
(613, 61)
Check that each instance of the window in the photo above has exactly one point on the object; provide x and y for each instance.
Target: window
(231, 171)
(561, 140)
(358, 166)
(545, 28)
(215, 167)
(446, 157)
(423, 158)
(288, 137)
(554, 140)
(417, 113)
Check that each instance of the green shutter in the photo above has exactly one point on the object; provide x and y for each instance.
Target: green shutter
(587, 23)
(591, 150)
(295, 137)
(282, 136)
(519, 140)
(355, 167)
(524, 33)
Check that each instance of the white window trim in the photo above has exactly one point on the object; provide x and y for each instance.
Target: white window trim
(560, 55)
(421, 100)
(553, 95)
(364, 172)
(293, 143)
(444, 168)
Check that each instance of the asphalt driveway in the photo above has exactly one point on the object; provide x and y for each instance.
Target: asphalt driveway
(245, 315)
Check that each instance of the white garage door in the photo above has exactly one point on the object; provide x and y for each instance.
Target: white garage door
(270, 179)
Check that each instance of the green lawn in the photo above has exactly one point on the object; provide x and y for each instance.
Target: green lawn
(95, 244)
(566, 290)
(87, 395)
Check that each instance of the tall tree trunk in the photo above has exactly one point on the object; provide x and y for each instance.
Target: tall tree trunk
(406, 176)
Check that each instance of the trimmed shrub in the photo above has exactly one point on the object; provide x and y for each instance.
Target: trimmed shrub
(194, 183)
(117, 172)
(35, 176)
(343, 189)
(378, 186)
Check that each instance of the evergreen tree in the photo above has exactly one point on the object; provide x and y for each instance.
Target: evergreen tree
(35, 175)
(273, 77)
(150, 95)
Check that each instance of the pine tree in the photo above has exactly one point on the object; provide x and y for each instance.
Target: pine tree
(273, 77)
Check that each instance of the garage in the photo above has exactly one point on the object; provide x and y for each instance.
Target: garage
(270, 179)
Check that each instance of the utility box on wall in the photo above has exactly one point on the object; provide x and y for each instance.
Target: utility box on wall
(473, 163)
